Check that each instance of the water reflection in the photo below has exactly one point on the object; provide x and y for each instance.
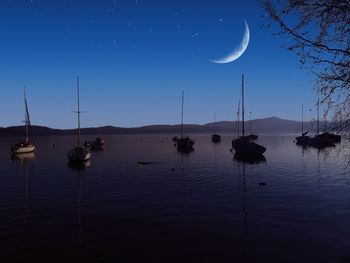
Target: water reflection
(79, 169)
(250, 159)
(79, 166)
(242, 162)
(25, 160)
(242, 173)
(209, 201)
(185, 150)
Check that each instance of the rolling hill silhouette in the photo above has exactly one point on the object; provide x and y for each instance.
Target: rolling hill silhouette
(266, 125)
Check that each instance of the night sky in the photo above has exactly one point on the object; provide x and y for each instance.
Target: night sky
(135, 57)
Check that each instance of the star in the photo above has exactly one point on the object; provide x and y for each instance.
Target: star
(195, 35)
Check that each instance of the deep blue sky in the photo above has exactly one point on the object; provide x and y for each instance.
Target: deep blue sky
(135, 57)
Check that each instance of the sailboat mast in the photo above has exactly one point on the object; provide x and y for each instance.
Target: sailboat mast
(324, 120)
(215, 122)
(250, 122)
(318, 116)
(341, 120)
(238, 124)
(26, 114)
(182, 116)
(302, 119)
(78, 110)
(242, 104)
(238, 114)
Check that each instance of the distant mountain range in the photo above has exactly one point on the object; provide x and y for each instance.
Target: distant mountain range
(266, 125)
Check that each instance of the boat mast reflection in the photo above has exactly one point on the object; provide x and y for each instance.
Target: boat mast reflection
(242, 161)
(249, 159)
(185, 151)
(25, 160)
(79, 168)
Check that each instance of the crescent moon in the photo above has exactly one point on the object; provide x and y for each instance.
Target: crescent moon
(238, 51)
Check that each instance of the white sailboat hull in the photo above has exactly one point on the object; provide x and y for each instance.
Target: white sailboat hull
(18, 148)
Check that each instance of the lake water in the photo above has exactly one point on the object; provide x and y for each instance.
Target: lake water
(203, 206)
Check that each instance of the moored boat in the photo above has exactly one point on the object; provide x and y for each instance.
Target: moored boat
(24, 146)
(184, 142)
(216, 138)
(303, 140)
(243, 145)
(78, 154)
(335, 138)
(97, 144)
(325, 139)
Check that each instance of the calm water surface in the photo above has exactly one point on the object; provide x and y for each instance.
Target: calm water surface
(204, 206)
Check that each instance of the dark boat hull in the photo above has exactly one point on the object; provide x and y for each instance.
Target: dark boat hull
(78, 155)
(320, 142)
(303, 140)
(334, 138)
(98, 144)
(184, 143)
(245, 147)
(216, 138)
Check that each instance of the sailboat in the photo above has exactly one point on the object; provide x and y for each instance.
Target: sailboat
(184, 143)
(97, 144)
(324, 139)
(25, 146)
(303, 140)
(215, 138)
(243, 145)
(79, 154)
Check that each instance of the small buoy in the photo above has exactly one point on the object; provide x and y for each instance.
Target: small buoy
(262, 183)
(231, 150)
(54, 145)
(172, 169)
